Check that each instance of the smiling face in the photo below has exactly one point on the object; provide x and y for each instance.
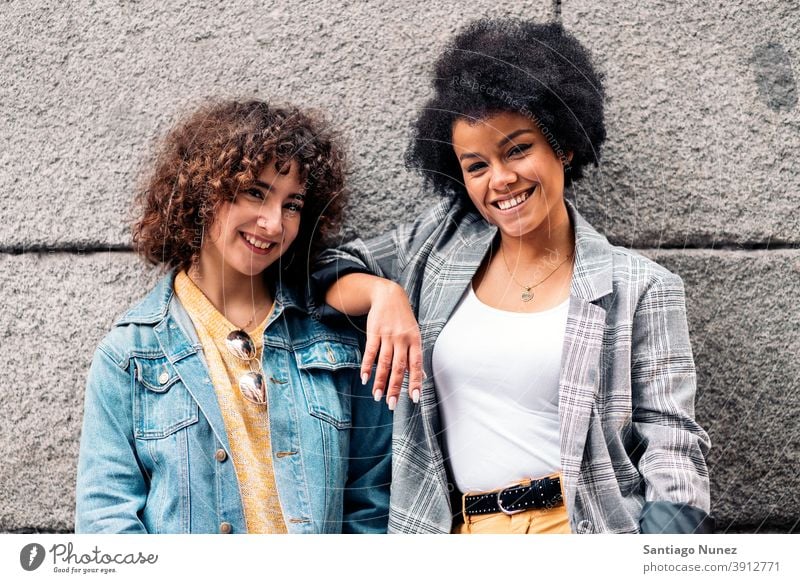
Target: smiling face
(511, 173)
(252, 232)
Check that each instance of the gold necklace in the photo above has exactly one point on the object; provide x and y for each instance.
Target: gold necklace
(527, 294)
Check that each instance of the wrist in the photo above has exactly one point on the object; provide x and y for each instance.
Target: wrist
(382, 289)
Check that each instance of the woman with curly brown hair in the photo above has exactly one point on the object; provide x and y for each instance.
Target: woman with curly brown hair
(217, 404)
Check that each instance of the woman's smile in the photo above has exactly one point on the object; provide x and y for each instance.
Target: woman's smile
(258, 245)
(514, 201)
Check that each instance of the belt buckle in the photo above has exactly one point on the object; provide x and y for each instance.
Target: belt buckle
(500, 504)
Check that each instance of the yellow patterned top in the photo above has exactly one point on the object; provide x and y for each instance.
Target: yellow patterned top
(246, 423)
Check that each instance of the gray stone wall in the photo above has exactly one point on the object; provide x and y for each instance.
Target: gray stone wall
(700, 172)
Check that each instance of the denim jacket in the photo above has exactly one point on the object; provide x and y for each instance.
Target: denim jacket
(154, 453)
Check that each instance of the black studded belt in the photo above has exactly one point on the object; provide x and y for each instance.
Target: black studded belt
(541, 493)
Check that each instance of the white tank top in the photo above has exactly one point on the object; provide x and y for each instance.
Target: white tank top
(496, 375)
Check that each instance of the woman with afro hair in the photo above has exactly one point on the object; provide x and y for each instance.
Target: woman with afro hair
(551, 382)
(218, 404)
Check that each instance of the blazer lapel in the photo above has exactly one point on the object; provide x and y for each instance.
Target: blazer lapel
(583, 342)
(578, 383)
(446, 280)
(443, 284)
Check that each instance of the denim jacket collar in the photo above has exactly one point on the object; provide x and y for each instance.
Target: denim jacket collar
(156, 305)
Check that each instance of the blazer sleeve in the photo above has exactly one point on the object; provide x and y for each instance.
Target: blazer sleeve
(388, 255)
(111, 489)
(672, 445)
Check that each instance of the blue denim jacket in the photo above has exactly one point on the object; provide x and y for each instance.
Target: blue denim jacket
(154, 454)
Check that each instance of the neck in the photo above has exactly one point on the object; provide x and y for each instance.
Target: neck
(231, 292)
(551, 243)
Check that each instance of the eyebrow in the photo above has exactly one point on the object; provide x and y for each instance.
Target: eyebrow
(500, 144)
(264, 186)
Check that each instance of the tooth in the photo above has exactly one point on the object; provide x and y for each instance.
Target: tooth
(256, 243)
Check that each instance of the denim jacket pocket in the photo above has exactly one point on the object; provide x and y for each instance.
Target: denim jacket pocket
(162, 405)
(327, 369)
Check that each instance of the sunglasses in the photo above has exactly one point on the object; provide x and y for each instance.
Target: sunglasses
(251, 384)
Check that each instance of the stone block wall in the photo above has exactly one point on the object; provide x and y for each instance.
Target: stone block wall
(700, 172)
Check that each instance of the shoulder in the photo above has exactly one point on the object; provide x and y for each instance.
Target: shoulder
(320, 346)
(304, 325)
(453, 215)
(127, 340)
(133, 333)
(603, 268)
(639, 271)
(448, 218)
(641, 286)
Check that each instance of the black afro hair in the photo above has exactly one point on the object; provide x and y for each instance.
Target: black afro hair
(510, 65)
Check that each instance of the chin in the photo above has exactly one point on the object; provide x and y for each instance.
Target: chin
(518, 229)
(250, 270)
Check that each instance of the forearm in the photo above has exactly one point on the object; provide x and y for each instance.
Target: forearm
(393, 342)
(355, 294)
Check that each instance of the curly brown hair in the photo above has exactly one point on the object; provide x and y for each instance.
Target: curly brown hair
(218, 151)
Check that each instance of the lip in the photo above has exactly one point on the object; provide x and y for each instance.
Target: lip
(257, 250)
(532, 190)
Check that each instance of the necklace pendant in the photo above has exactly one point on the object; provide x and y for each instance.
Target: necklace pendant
(527, 295)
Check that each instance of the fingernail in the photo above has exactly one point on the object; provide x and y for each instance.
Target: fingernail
(392, 403)
(377, 395)
(364, 378)
(415, 395)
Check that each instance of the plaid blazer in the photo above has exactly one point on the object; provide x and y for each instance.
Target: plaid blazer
(627, 382)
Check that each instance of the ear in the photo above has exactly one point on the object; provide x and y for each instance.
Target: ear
(567, 159)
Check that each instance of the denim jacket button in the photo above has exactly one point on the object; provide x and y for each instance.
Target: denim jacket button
(163, 378)
(221, 456)
(225, 528)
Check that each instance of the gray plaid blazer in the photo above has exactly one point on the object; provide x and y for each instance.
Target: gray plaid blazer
(627, 381)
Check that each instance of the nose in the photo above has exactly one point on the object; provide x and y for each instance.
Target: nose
(270, 219)
(502, 176)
